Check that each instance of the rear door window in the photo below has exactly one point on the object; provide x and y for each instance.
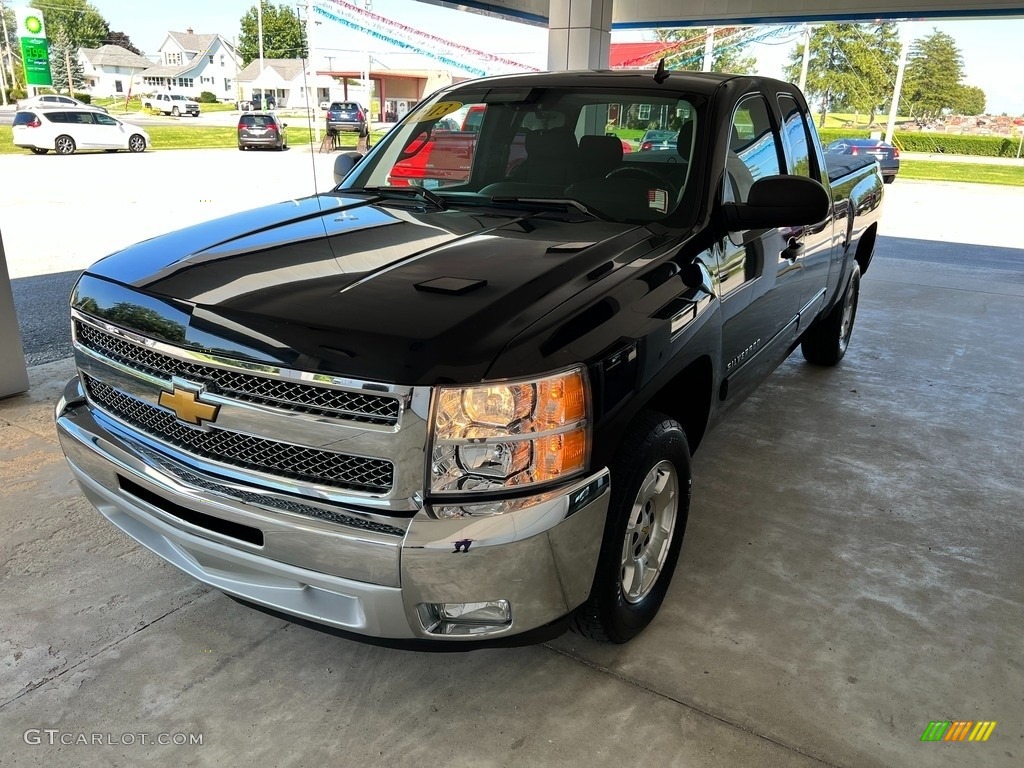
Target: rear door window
(753, 150)
(57, 117)
(82, 118)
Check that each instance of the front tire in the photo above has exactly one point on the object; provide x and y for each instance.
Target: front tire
(650, 501)
(826, 342)
(64, 145)
(136, 143)
(175, 112)
(39, 150)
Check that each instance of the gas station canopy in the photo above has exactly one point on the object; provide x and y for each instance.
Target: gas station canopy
(639, 14)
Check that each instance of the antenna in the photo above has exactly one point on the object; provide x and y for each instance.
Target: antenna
(662, 74)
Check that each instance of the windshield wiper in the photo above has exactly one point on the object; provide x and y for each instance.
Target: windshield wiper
(554, 202)
(401, 193)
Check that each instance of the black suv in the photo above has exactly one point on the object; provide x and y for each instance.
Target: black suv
(347, 116)
(261, 129)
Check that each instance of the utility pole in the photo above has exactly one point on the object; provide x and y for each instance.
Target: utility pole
(67, 68)
(259, 33)
(3, 77)
(904, 49)
(313, 111)
(807, 57)
(709, 50)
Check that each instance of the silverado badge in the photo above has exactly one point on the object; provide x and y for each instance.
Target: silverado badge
(187, 407)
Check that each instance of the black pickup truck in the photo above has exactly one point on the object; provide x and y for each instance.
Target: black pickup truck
(463, 411)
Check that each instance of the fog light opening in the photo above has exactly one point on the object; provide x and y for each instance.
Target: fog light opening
(465, 618)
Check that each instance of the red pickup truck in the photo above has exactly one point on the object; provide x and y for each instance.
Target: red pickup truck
(444, 155)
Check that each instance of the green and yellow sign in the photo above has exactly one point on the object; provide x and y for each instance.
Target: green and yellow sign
(35, 51)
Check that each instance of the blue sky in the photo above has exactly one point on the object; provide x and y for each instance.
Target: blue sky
(991, 48)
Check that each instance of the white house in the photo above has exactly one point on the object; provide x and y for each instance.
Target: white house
(111, 70)
(289, 82)
(190, 64)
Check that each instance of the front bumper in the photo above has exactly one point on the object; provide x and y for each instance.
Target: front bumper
(367, 578)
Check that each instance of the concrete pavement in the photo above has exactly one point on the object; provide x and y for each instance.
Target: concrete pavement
(851, 571)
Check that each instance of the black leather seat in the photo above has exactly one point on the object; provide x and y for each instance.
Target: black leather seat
(599, 156)
(551, 158)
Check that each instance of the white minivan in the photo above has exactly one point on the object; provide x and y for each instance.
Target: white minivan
(66, 130)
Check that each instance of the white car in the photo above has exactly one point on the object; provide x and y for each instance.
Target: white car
(67, 130)
(55, 100)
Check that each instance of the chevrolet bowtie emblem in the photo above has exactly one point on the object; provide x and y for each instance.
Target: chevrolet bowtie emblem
(187, 407)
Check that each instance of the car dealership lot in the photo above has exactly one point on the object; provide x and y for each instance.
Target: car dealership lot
(836, 592)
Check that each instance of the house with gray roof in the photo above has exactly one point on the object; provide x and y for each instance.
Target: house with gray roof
(291, 83)
(191, 63)
(111, 70)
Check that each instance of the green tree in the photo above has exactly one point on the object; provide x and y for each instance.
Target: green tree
(283, 35)
(851, 66)
(934, 70)
(121, 39)
(970, 101)
(64, 51)
(79, 19)
(727, 54)
(11, 43)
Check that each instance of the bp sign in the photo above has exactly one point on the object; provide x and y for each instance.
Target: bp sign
(35, 52)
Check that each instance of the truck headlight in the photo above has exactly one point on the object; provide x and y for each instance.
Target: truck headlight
(510, 434)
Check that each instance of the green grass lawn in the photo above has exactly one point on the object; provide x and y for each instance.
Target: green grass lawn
(211, 137)
(978, 173)
(201, 137)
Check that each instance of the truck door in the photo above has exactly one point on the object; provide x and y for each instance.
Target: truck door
(810, 245)
(760, 287)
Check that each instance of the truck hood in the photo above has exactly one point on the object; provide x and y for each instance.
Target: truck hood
(388, 293)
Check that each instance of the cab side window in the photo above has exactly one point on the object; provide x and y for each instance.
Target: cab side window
(753, 150)
(794, 129)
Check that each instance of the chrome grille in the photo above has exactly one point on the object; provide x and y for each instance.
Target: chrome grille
(277, 393)
(267, 500)
(309, 465)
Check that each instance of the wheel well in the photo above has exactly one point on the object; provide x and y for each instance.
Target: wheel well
(687, 399)
(866, 248)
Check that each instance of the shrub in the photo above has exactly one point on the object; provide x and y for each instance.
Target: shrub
(85, 98)
(926, 141)
(207, 97)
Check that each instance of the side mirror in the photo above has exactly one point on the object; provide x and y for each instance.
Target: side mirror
(284, 125)
(778, 201)
(344, 163)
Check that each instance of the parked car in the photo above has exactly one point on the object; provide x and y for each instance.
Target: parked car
(55, 100)
(261, 129)
(66, 131)
(658, 140)
(346, 117)
(887, 155)
(171, 104)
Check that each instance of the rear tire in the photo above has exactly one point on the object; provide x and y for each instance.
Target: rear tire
(64, 145)
(650, 500)
(826, 342)
(889, 179)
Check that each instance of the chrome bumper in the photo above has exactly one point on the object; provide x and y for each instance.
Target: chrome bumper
(342, 567)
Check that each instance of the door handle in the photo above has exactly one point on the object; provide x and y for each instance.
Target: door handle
(794, 249)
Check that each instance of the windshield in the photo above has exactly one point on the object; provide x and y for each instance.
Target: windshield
(471, 146)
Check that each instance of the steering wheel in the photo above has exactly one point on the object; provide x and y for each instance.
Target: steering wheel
(642, 174)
